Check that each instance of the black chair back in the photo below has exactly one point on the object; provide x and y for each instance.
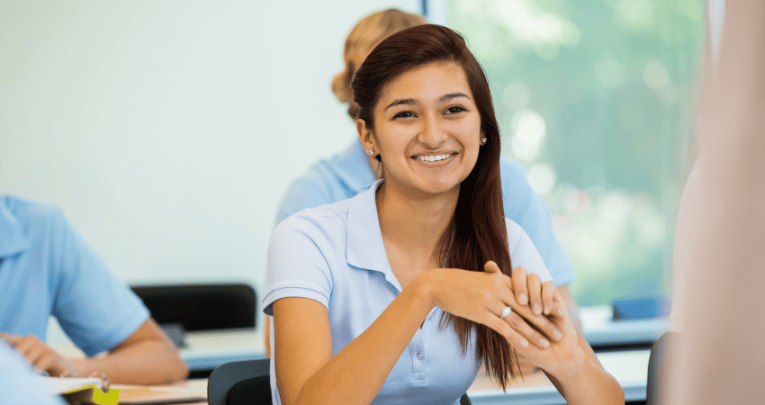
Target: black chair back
(201, 306)
(240, 383)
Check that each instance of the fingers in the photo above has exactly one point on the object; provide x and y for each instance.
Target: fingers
(548, 295)
(31, 348)
(512, 337)
(491, 267)
(519, 285)
(518, 324)
(34, 351)
(560, 305)
(11, 339)
(534, 285)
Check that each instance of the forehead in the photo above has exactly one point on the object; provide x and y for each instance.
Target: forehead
(426, 83)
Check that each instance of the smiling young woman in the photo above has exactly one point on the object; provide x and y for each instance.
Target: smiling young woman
(398, 294)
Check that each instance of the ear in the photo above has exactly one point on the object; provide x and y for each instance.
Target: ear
(366, 136)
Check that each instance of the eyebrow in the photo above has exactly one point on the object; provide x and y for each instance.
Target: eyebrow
(451, 96)
(405, 101)
(411, 101)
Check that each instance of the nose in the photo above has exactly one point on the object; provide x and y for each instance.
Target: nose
(432, 134)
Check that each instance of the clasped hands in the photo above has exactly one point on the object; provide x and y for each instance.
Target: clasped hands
(538, 326)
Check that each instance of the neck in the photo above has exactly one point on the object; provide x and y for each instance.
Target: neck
(416, 223)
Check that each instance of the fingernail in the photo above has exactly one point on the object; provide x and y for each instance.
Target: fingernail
(524, 342)
(544, 342)
(547, 310)
(557, 334)
(561, 312)
(537, 309)
(523, 300)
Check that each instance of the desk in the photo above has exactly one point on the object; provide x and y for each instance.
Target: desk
(630, 368)
(601, 330)
(207, 350)
(204, 350)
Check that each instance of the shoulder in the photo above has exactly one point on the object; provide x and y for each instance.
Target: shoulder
(515, 234)
(523, 252)
(511, 172)
(319, 178)
(33, 216)
(325, 222)
(319, 185)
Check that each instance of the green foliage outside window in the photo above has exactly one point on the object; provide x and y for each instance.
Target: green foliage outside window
(594, 98)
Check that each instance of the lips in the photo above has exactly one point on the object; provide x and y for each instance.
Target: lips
(434, 158)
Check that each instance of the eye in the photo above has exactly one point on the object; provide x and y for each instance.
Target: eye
(404, 114)
(455, 109)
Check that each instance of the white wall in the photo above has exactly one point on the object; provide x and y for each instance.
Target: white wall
(169, 130)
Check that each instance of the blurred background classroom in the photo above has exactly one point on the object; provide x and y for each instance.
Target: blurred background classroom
(168, 131)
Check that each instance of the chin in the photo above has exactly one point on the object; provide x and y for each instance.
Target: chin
(438, 187)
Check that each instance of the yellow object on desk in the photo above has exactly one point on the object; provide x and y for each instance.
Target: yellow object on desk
(93, 391)
(82, 390)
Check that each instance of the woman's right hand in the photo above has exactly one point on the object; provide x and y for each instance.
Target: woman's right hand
(482, 296)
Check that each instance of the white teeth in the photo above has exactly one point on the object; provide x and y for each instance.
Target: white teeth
(433, 158)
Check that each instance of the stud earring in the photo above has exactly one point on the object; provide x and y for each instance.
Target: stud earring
(483, 141)
(371, 152)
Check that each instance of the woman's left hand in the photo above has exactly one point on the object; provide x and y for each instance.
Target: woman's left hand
(541, 301)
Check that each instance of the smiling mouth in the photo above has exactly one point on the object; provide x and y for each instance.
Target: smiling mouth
(434, 158)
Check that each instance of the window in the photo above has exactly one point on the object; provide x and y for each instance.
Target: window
(593, 99)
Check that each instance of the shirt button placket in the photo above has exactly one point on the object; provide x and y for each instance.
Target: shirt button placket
(418, 358)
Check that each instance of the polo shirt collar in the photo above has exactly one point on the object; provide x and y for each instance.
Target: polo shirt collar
(365, 245)
(352, 167)
(12, 238)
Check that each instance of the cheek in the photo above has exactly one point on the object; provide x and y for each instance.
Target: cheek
(393, 139)
(471, 131)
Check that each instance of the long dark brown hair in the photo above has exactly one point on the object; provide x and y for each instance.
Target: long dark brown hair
(478, 232)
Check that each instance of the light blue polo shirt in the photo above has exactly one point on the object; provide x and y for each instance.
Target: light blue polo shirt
(334, 254)
(18, 383)
(48, 269)
(348, 173)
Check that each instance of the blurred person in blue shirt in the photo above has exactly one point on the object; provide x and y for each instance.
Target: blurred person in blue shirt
(352, 171)
(46, 269)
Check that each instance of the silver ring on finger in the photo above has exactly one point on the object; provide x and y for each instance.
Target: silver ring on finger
(506, 312)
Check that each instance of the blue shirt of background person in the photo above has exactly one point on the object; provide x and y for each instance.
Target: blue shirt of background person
(18, 384)
(46, 269)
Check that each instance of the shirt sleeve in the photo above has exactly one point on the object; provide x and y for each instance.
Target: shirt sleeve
(95, 309)
(526, 208)
(523, 253)
(300, 255)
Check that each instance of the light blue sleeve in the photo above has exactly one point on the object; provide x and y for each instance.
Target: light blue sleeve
(18, 384)
(300, 256)
(526, 208)
(523, 253)
(319, 186)
(96, 310)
